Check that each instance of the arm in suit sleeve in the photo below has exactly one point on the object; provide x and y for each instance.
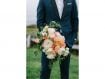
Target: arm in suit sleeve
(74, 21)
(40, 15)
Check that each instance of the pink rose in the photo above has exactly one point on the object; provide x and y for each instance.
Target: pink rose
(36, 40)
(57, 34)
(52, 35)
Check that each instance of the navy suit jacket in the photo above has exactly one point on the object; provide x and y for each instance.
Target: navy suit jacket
(47, 11)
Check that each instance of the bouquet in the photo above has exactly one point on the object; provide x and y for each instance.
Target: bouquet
(51, 42)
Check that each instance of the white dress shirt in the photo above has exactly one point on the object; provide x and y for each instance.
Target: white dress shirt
(60, 6)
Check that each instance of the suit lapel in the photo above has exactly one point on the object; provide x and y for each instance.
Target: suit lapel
(55, 8)
(64, 9)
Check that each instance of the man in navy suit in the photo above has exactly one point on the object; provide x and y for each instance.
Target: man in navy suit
(65, 13)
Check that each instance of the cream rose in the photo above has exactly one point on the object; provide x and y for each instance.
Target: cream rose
(50, 56)
(61, 51)
(51, 30)
(47, 43)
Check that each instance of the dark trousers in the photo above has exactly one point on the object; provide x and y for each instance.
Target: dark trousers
(46, 70)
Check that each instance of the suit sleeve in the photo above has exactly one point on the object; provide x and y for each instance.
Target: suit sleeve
(74, 21)
(40, 15)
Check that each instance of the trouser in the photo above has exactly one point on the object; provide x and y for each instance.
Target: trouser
(46, 70)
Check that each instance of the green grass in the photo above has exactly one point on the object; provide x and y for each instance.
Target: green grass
(33, 66)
